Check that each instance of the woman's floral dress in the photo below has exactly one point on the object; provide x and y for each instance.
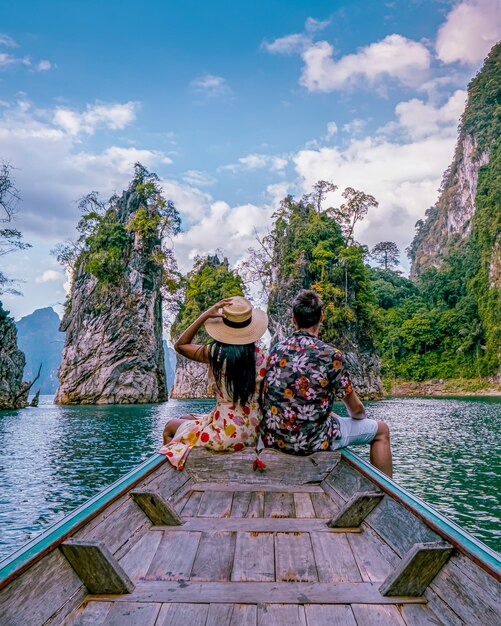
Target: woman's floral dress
(228, 427)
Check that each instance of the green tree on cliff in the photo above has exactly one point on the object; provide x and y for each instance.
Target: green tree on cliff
(210, 280)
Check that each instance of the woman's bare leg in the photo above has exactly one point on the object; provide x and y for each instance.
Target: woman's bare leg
(172, 426)
(381, 449)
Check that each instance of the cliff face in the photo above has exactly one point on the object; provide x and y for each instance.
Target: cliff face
(113, 351)
(13, 391)
(450, 221)
(190, 380)
(39, 338)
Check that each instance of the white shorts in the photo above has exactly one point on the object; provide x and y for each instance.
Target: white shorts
(355, 432)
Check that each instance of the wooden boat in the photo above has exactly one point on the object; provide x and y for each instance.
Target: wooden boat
(324, 539)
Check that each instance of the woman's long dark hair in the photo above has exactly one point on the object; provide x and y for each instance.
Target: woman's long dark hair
(236, 367)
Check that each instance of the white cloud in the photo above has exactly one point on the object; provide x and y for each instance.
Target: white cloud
(401, 165)
(332, 129)
(312, 25)
(257, 161)
(8, 59)
(393, 57)
(199, 179)
(211, 85)
(469, 32)
(7, 41)
(113, 116)
(43, 66)
(49, 276)
(355, 127)
(289, 44)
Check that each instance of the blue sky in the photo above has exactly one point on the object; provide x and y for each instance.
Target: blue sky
(233, 105)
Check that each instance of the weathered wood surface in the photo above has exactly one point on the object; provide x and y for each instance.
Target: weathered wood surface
(133, 614)
(191, 507)
(399, 527)
(215, 504)
(356, 509)
(242, 486)
(256, 524)
(232, 615)
(323, 505)
(416, 570)
(334, 558)
(138, 559)
(278, 505)
(303, 505)
(240, 504)
(254, 593)
(280, 614)
(254, 557)
(36, 595)
(256, 505)
(419, 615)
(346, 481)
(375, 559)
(214, 558)
(158, 511)
(368, 615)
(329, 615)
(473, 603)
(96, 567)
(294, 560)
(281, 468)
(174, 557)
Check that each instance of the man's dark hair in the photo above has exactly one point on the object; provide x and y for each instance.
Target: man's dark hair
(307, 308)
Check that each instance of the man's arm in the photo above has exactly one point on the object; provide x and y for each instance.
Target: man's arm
(354, 405)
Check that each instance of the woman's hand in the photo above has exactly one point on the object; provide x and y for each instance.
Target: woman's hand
(215, 309)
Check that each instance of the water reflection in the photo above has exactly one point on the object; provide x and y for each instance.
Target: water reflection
(53, 458)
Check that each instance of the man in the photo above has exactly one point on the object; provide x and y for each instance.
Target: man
(303, 377)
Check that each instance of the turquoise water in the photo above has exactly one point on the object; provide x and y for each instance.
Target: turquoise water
(52, 458)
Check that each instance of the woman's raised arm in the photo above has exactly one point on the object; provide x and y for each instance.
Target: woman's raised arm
(193, 351)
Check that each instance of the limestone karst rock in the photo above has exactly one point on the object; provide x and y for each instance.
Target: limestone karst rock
(113, 351)
(13, 391)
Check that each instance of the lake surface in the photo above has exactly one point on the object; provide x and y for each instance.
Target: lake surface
(52, 458)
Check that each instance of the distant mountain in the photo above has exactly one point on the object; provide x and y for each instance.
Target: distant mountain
(39, 338)
(170, 365)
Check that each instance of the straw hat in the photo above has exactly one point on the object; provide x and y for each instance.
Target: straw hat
(241, 323)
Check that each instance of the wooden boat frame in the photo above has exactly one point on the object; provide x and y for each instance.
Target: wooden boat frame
(362, 479)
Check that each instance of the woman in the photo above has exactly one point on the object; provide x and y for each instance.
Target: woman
(236, 368)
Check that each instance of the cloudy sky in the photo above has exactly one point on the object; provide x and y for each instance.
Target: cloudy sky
(234, 105)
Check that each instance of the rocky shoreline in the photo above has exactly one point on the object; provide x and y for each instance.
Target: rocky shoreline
(442, 388)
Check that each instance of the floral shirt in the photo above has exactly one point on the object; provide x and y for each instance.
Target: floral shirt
(303, 377)
(228, 427)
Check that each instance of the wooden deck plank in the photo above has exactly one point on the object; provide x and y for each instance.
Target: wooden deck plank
(329, 615)
(253, 593)
(334, 558)
(439, 607)
(419, 615)
(174, 556)
(256, 524)
(245, 486)
(240, 505)
(303, 505)
(215, 504)
(280, 614)
(190, 509)
(176, 614)
(294, 560)
(90, 614)
(256, 505)
(254, 557)
(133, 614)
(374, 558)
(214, 558)
(324, 505)
(280, 468)
(232, 615)
(280, 504)
(138, 559)
(374, 615)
